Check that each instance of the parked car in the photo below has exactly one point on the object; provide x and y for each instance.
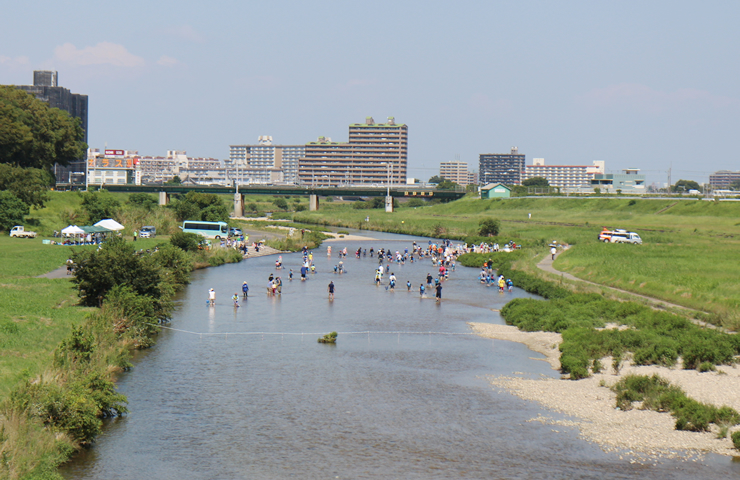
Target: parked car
(235, 232)
(19, 232)
(148, 232)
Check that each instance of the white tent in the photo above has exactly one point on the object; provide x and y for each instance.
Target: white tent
(110, 224)
(73, 230)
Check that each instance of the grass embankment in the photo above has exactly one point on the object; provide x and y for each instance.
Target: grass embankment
(58, 358)
(687, 255)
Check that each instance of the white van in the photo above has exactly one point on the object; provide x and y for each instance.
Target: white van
(625, 237)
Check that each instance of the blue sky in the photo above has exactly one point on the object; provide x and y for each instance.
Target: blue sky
(637, 84)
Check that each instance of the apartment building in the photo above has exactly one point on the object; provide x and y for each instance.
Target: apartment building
(505, 168)
(376, 154)
(457, 171)
(266, 163)
(564, 176)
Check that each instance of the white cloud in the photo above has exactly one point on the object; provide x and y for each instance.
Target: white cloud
(633, 96)
(104, 53)
(166, 61)
(185, 32)
(14, 62)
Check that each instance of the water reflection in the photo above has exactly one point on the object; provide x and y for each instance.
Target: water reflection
(373, 406)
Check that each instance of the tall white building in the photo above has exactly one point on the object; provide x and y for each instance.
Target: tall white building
(457, 171)
(265, 162)
(177, 162)
(565, 176)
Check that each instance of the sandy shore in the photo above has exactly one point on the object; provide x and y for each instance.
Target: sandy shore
(639, 435)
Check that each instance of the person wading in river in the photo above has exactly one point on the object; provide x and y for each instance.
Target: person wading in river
(331, 290)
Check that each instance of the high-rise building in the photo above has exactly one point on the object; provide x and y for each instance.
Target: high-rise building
(506, 168)
(45, 88)
(566, 176)
(376, 154)
(265, 162)
(457, 171)
(723, 178)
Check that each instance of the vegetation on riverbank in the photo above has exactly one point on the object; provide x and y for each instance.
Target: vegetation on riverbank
(59, 358)
(656, 393)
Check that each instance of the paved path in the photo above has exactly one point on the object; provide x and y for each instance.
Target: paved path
(264, 250)
(60, 272)
(546, 265)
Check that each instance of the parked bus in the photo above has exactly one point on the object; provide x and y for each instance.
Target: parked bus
(217, 230)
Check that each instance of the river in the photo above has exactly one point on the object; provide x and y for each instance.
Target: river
(407, 400)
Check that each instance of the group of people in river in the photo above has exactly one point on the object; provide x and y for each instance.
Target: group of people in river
(442, 256)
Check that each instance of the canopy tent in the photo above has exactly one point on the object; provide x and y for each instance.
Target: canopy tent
(94, 229)
(110, 224)
(73, 230)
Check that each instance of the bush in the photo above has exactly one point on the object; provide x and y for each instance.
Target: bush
(707, 367)
(186, 241)
(301, 207)
(281, 203)
(415, 202)
(99, 205)
(142, 200)
(736, 439)
(489, 227)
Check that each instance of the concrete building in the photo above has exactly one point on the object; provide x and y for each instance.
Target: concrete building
(631, 181)
(196, 170)
(723, 178)
(457, 171)
(46, 88)
(112, 167)
(506, 168)
(266, 163)
(375, 154)
(564, 176)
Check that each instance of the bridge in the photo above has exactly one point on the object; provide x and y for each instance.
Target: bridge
(165, 191)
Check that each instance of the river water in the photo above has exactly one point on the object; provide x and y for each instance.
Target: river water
(268, 402)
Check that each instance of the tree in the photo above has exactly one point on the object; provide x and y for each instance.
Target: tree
(174, 181)
(97, 271)
(186, 241)
(200, 206)
(142, 200)
(34, 135)
(489, 227)
(446, 185)
(436, 179)
(281, 203)
(536, 182)
(30, 185)
(12, 210)
(99, 205)
(683, 186)
(735, 185)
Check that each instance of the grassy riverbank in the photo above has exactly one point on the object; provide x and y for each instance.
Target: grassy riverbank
(58, 358)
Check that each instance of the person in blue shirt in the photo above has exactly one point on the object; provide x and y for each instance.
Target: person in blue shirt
(245, 289)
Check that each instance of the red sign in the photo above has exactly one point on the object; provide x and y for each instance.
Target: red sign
(115, 153)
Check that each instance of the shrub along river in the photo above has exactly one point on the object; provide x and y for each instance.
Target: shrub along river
(378, 405)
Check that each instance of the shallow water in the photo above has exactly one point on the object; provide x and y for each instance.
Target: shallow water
(277, 404)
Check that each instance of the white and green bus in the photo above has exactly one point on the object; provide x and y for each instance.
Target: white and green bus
(217, 230)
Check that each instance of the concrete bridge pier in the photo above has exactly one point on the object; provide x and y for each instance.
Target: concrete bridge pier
(389, 204)
(238, 205)
(313, 203)
(164, 198)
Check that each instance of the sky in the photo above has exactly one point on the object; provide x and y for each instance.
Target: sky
(651, 85)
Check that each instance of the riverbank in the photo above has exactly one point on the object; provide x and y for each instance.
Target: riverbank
(640, 435)
(59, 358)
